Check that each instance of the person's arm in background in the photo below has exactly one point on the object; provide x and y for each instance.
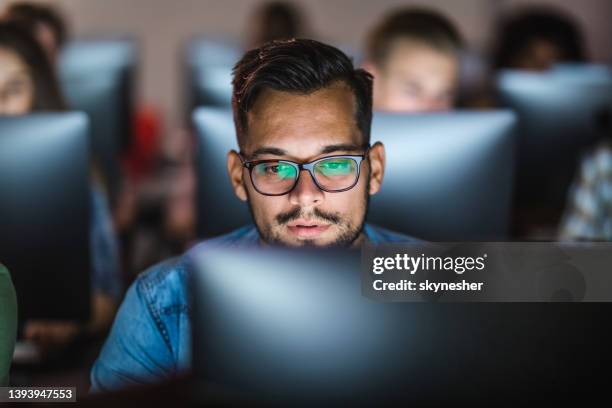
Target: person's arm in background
(107, 285)
(586, 216)
(8, 324)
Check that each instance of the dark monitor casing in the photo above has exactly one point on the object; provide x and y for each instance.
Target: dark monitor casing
(292, 328)
(97, 77)
(44, 213)
(448, 176)
(561, 115)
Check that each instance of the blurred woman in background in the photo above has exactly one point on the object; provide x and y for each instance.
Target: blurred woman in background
(28, 84)
(27, 80)
(8, 324)
(536, 38)
(44, 22)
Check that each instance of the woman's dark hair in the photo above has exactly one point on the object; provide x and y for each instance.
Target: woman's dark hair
(298, 66)
(15, 38)
(517, 31)
(33, 14)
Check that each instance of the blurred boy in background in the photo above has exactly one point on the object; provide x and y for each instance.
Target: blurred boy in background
(414, 56)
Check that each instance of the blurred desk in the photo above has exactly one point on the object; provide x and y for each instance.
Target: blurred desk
(69, 367)
(177, 392)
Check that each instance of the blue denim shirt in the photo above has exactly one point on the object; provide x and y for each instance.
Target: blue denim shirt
(151, 338)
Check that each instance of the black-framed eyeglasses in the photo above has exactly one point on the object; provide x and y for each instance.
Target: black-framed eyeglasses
(332, 174)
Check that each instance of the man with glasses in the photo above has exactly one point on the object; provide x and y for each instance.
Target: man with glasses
(306, 168)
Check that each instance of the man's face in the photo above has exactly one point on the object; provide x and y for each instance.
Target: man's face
(415, 78)
(303, 128)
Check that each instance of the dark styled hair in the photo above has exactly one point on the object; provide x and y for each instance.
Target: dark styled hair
(298, 66)
(47, 95)
(420, 24)
(32, 14)
(518, 30)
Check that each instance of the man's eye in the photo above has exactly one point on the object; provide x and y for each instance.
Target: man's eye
(271, 169)
(279, 170)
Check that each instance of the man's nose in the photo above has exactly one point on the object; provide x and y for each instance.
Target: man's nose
(306, 193)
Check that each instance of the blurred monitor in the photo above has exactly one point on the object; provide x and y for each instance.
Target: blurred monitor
(97, 77)
(218, 209)
(292, 328)
(44, 213)
(448, 176)
(209, 63)
(561, 114)
(586, 72)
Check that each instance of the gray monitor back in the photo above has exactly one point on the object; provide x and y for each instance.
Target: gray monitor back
(97, 78)
(44, 213)
(448, 176)
(287, 328)
(561, 113)
(219, 210)
(209, 62)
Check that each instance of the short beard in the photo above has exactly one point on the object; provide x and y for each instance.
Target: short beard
(346, 239)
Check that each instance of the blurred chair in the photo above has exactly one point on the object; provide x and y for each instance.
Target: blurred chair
(97, 77)
(44, 213)
(449, 176)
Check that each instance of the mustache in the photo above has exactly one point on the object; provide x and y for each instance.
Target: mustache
(296, 213)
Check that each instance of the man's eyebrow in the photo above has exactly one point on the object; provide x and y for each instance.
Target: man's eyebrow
(349, 147)
(269, 150)
(275, 151)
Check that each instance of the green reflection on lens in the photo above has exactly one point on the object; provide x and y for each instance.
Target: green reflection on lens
(276, 170)
(336, 167)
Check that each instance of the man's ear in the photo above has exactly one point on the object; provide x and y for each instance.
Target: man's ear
(235, 171)
(376, 157)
